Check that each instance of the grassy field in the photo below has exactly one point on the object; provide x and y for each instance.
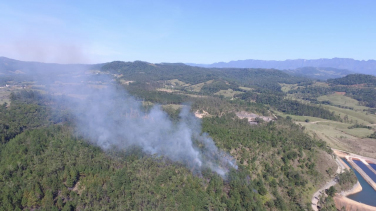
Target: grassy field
(321, 84)
(337, 134)
(342, 100)
(228, 93)
(4, 95)
(246, 88)
(299, 118)
(288, 87)
(166, 90)
(360, 116)
(197, 87)
(172, 106)
(176, 82)
(359, 132)
(329, 128)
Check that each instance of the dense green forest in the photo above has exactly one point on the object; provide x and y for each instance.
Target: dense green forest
(288, 106)
(25, 112)
(44, 166)
(147, 72)
(354, 79)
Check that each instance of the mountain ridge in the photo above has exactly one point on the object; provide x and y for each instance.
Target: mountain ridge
(12, 66)
(358, 66)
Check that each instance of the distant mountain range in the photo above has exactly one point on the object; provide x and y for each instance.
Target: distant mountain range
(321, 69)
(356, 66)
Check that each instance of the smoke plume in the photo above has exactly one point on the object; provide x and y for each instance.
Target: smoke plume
(111, 118)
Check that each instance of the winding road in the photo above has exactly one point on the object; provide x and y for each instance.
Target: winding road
(332, 182)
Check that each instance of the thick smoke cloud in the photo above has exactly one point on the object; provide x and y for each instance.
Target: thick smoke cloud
(111, 118)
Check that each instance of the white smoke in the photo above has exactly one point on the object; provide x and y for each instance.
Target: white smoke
(111, 118)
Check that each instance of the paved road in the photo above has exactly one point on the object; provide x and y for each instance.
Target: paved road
(316, 195)
(315, 198)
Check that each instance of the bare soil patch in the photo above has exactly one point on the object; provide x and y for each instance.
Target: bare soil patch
(340, 93)
(252, 118)
(201, 114)
(351, 205)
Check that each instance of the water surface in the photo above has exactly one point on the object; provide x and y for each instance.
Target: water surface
(373, 165)
(367, 195)
(366, 170)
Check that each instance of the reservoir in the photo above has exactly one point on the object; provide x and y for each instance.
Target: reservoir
(367, 195)
(373, 165)
(365, 169)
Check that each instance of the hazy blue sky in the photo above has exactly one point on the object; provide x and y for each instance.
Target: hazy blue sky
(199, 31)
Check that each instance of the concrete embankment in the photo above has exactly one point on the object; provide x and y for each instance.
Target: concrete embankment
(361, 172)
(343, 164)
(341, 200)
(370, 167)
(350, 156)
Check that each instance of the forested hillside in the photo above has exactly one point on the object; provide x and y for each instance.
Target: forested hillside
(46, 164)
(143, 71)
(354, 79)
(320, 73)
(144, 80)
(357, 86)
(100, 111)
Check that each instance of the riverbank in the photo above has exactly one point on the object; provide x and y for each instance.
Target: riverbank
(351, 205)
(350, 157)
(341, 200)
(355, 189)
(361, 172)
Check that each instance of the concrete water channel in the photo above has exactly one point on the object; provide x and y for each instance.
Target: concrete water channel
(366, 169)
(373, 166)
(362, 196)
(368, 194)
